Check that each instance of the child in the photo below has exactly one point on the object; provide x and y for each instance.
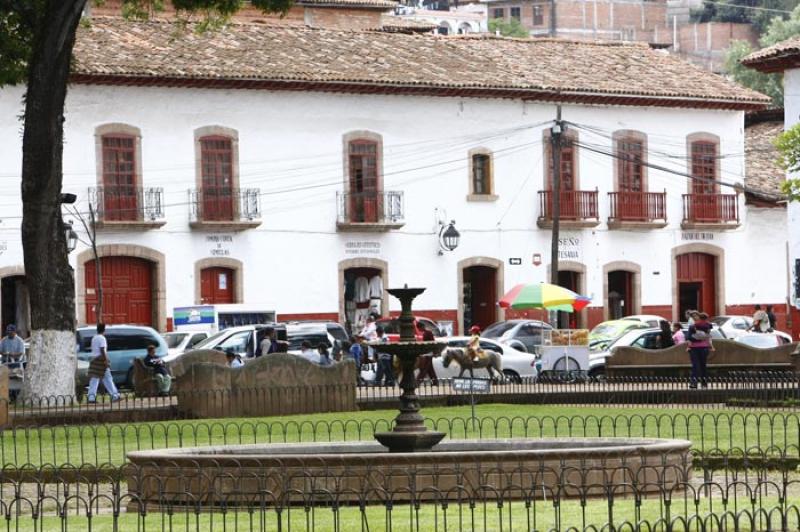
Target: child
(474, 346)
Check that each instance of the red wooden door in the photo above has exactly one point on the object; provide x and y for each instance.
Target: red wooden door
(119, 178)
(127, 291)
(364, 190)
(217, 286)
(568, 205)
(217, 177)
(483, 295)
(697, 274)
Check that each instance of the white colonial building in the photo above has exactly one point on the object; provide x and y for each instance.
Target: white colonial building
(285, 167)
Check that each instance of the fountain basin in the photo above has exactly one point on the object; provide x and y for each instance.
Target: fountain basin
(364, 472)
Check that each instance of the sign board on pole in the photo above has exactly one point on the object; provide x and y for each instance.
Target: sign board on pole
(472, 385)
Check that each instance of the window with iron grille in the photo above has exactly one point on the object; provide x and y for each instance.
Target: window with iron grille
(630, 153)
(704, 167)
(481, 173)
(538, 16)
(119, 177)
(516, 13)
(567, 166)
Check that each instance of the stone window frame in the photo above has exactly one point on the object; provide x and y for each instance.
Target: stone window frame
(203, 132)
(362, 135)
(501, 10)
(511, 13)
(547, 161)
(235, 265)
(540, 9)
(702, 136)
(463, 264)
(473, 196)
(125, 250)
(630, 134)
(120, 129)
(625, 266)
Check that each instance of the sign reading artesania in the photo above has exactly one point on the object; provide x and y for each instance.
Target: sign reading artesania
(220, 245)
(362, 247)
(473, 385)
(697, 236)
(569, 248)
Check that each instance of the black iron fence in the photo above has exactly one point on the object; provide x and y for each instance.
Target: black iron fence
(175, 496)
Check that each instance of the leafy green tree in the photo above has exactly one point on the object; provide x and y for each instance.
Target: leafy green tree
(510, 28)
(779, 29)
(36, 42)
(788, 144)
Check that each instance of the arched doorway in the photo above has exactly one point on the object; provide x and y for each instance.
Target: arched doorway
(480, 286)
(217, 285)
(14, 306)
(622, 289)
(128, 294)
(696, 283)
(362, 291)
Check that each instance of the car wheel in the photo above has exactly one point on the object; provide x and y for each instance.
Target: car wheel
(512, 376)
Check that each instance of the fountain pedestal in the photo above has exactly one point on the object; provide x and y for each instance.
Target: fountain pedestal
(410, 433)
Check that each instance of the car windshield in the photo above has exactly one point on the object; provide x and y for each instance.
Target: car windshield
(719, 321)
(611, 330)
(761, 341)
(211, 340)
(496, 330)
(174, 339)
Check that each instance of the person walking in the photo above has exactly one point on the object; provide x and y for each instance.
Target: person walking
(12, 348)
(385, 371)
(699, 336)
(677, 334)
(160, 371)
(269, 344)
(773, 321)
(100, 366)
(324, 356)
(426, 360)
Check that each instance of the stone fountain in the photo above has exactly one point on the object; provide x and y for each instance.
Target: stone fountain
(416, 467)
(410, 433)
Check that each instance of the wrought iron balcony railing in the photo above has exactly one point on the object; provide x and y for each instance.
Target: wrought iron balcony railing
(380, 208)
(710, 209)
(575, 205)
(645, 207)
(127, 203)
(224, 204)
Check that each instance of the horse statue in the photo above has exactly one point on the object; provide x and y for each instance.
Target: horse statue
(492, 361)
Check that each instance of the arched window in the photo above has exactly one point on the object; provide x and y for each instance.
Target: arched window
(216, 176)
(703, 154)
(631, 152)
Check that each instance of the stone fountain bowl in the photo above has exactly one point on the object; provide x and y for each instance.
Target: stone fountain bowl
(361, 472)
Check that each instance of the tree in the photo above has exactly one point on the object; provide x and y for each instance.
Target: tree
(36, 42)
(770, 84)
(788, 144)
(512, 28)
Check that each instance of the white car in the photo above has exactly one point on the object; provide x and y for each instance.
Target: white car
(651, 320)
(733, 326)
(242, 340)
(180, 341)
(764, 340)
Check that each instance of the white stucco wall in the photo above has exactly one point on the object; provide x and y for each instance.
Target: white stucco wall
(791, 103)
(289, 140)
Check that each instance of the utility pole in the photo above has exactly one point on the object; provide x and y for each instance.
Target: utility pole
(556, 133)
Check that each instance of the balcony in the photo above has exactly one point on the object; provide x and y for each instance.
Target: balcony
(710, 211)
(369, 211)
(127, 207)
(224, 208)
(577, 209)
(637, 210)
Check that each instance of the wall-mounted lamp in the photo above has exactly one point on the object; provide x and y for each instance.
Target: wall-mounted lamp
(72, 237)
(448, 236)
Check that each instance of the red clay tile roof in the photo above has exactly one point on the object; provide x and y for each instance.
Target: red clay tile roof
(761, 169)
(775, 58)
(300, 58)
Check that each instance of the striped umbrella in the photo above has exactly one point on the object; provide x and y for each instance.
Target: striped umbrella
(543, 295)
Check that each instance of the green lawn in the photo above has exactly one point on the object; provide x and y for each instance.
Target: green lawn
(722, 429)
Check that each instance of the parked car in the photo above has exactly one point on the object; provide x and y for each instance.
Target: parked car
(331, 334)
(733, 326)
(180, 341)
(642, 338)
(391, 327)
(243, 340)
(522, 335)
(604, 334)
(764, 340)
(125, 342)
(651, 320)
(516, 364)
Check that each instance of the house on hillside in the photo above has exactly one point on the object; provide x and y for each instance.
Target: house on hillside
(282, 166)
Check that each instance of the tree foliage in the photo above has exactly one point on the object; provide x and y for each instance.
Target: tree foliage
(779, 29)
(510, 28)
(788, 144)
(738, 11)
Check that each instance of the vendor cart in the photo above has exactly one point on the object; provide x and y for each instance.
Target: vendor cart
(564, 354)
